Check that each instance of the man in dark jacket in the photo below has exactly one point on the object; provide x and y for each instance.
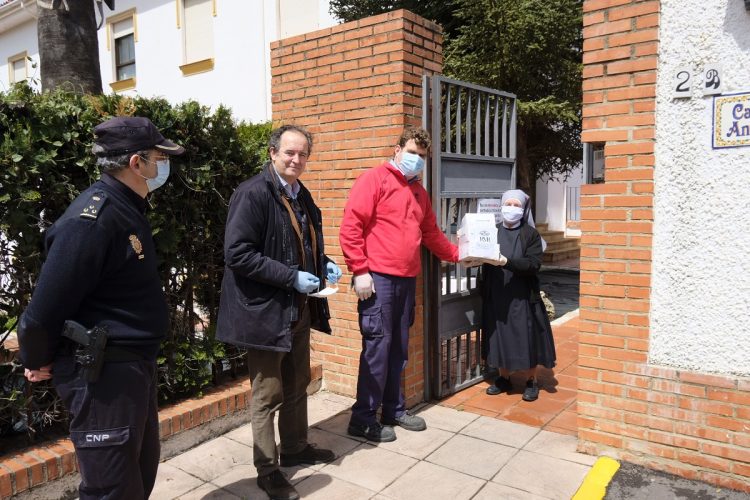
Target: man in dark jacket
(274, 256)
(101, 271)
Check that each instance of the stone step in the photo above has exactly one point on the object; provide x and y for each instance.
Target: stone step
(562, 245)
(550, 257)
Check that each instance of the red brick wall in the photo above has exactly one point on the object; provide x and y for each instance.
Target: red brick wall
(691, 424)
(354, 86)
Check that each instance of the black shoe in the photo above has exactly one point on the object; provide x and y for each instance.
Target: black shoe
(372, 432)
(277, 487)
(407, 421)
(531, 393)
(501, 385)
(310, 455)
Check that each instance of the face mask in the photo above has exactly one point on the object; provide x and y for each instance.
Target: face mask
(162, 173)
(411, 164)
(512, 214)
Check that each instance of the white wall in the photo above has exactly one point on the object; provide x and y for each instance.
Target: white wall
(19, 39)
(243, 31)
(700, 302)
(551, 199)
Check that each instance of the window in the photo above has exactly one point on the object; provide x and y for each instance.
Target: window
(122, 36)
(124, 50)
(17, 67)
(197, 35)
(593, 162)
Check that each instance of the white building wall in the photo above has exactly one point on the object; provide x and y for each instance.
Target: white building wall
(700, 301)
(551, 199)
(19, 39)
(243, 31)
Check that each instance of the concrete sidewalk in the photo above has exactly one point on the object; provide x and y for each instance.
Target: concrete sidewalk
(460, 456)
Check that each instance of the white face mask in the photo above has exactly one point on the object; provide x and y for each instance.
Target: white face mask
(162, 173)
(411, 164)
(512, 214)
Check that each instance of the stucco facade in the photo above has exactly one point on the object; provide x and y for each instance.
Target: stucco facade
(700, 302)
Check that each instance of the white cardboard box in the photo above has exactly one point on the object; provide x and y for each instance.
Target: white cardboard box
(477, 237)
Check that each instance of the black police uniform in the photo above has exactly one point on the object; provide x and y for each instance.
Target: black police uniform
(101, 269)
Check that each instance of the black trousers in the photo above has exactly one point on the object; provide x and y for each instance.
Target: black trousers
(114, 427)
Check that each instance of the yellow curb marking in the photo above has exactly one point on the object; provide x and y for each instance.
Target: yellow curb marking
(594, 485)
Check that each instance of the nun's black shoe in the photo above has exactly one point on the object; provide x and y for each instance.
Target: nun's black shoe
(501, 385)
(531, 393)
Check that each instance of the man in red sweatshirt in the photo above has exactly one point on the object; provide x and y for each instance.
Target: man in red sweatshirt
(386, 220)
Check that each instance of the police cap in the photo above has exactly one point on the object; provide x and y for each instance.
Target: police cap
(128, 134)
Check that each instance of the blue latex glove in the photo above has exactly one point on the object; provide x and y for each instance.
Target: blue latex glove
(334, 273)
(306, 282)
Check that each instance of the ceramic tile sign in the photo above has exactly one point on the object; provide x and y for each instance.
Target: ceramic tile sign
(491, 206)
(683, 79)
(731, 120)
(713, 83)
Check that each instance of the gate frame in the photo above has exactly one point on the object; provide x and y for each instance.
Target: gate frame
(431, 180)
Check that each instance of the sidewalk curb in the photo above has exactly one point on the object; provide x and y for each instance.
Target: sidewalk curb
(50, 470)
(594, 485)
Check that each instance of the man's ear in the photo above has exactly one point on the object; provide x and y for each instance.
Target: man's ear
(133, 163)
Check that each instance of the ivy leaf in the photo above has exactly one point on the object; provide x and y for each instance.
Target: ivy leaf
(16, 158)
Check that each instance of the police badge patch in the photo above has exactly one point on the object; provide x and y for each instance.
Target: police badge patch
(136, 244)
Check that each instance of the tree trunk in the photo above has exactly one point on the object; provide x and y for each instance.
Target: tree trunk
(68, 46)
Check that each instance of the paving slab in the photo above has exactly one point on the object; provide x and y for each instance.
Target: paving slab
(240, 481)
(340, 445)
(493, 491)
(417, 444)
(208, 491)
(500, 431)
(242, 435)
(213, 458)
(171, 482)
(444, 418)
(324, 487)
(472, 456)
(559, 446)
(368, 466)
(542, 475)
(426, 481)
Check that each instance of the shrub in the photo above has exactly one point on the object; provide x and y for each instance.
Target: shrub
(46, 160)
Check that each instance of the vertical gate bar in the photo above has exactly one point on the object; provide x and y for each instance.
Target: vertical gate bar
(512, 138)
(477, 128)
(458, 119)
(487, 126)
(496, 123)
(468, 356)
(448, 354)
(505, 127)
(459, 375)
(468, 122)
(478, 350)
(447, 118)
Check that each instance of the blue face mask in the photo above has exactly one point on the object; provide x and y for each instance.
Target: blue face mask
(411, 164)
(162, 173)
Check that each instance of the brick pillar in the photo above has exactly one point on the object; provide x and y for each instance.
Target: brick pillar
(354, 86)
(686, 423)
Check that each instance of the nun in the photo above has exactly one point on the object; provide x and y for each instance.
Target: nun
(517, 333)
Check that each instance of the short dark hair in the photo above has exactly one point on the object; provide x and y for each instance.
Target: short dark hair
(275, 140)
(420, 136)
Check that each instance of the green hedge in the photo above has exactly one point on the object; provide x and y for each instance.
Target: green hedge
(46, 160)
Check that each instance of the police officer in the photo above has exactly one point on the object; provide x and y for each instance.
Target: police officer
(100, 271)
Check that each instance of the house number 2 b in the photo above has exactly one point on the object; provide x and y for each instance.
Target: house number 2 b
(682, 83)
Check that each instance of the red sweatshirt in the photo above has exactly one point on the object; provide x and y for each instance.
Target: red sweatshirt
(386, 220)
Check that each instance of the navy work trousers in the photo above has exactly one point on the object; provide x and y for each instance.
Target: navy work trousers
(384, 321)
(114, 427)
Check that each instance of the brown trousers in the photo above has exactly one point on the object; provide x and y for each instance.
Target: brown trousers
(279, 384)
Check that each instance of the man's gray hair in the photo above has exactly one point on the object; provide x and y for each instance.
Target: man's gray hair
(274, 141)
(113, 164)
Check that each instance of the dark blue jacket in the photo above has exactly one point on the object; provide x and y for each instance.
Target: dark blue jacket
(100, 269)
(258, 300)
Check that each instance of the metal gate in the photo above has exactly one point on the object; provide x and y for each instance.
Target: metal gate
(473, 132)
